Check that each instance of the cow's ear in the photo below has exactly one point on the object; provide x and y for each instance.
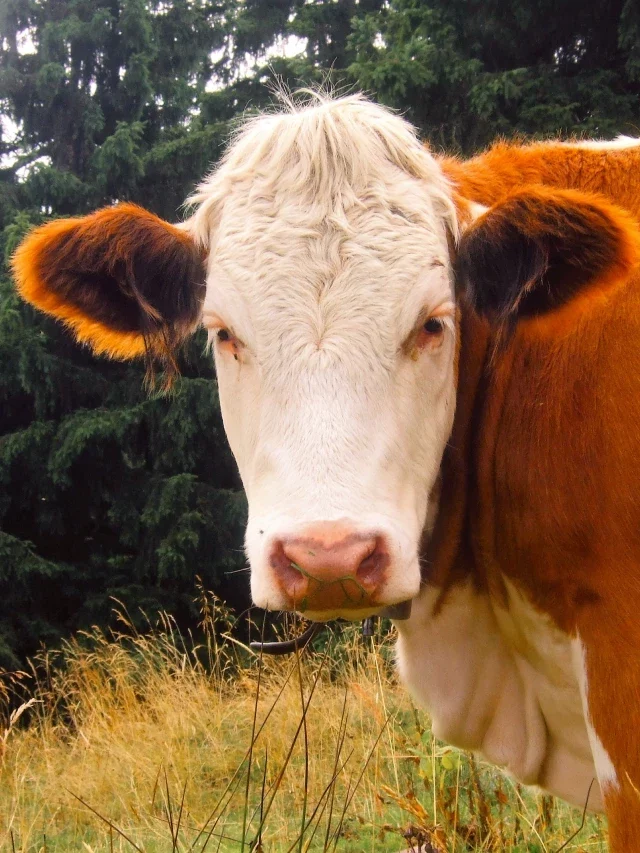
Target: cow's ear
(540, 248)
(124, 281)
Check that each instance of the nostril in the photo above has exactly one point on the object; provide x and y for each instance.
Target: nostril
(292, 580)
(371, 569)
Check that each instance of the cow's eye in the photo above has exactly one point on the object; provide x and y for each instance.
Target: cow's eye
(228, 343)
(433, 326)
(429, 337)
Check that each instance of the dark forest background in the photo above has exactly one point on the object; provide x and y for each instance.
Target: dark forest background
(105, 490)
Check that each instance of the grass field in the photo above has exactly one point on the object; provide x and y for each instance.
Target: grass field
(132, 741)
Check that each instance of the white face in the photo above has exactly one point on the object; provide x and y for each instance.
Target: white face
(333, 327)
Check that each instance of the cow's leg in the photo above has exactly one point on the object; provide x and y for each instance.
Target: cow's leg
(607, 660)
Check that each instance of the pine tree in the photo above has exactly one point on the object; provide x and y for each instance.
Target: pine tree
(105, 490)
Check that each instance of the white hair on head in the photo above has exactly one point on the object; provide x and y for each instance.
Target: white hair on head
(328, 151)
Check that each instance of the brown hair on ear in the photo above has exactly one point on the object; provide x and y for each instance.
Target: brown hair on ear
(539, 248)
(123, 280)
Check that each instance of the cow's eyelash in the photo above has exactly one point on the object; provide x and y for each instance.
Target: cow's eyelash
(442, 315)
(219, 335)
(224, 335)
(217, 329)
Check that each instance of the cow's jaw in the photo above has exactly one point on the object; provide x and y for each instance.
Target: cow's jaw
(336, 401)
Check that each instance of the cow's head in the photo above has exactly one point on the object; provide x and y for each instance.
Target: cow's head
(325, 241)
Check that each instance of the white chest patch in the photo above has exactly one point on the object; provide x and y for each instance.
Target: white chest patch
(544, 657)
(502, 682)
(607, 776)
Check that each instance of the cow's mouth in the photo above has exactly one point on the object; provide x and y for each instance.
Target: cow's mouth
(399, 612)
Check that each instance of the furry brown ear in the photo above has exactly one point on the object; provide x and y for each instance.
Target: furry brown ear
(540, 248)
(124, 281)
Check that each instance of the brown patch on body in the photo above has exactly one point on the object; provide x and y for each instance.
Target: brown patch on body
(541, 476)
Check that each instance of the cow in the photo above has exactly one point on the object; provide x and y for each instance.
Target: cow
(429, 375)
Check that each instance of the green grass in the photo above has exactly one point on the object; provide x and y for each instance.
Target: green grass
(141, 741)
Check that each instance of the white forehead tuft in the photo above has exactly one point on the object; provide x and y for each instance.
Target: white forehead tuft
(321, 148)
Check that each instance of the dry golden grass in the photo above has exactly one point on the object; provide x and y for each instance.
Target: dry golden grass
(139, 741)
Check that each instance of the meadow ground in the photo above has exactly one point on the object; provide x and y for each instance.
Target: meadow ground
(127, 741)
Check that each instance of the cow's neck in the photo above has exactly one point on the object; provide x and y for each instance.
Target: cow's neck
(447, 558)
(464, 543)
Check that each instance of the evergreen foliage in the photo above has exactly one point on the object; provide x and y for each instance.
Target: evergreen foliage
(467, 71)
(106, 490)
